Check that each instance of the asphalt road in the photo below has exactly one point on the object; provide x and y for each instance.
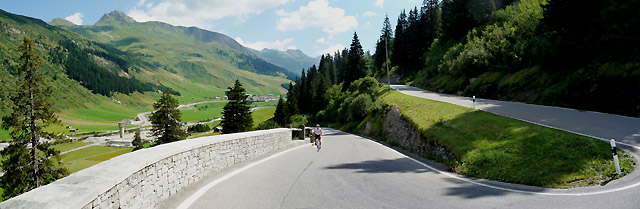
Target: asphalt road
(353, 172)
(598, 125)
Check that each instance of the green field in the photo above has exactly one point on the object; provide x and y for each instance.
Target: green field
(504, 149)
(207, 111)
(262, 115)
(87, 157)
(265, 104)
(69, 146)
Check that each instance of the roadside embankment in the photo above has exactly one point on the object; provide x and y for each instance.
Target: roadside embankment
(484, 145)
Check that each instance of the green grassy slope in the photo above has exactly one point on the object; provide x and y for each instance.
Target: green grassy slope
(503, 149)
(262, 115)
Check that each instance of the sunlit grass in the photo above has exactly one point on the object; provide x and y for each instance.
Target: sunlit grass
(87, 157)
(504, 149)
(262, 115)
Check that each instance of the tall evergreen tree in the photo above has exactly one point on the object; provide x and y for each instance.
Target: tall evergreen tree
(29, 161)
(320, 87)
(356, 67)
(166, 119)
(302, 97)
(292, 99)
(281, 115)
(236, 113)
(400, 54)
(456, 19)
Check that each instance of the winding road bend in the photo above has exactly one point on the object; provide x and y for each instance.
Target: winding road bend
(594, 124)
(355, 172)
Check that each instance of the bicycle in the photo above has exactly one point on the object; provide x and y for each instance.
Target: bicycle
(317, 143)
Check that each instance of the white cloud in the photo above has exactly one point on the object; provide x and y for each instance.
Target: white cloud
(140, 3)
(379, 3)
(331, 49)
(259, 45)
(322, 41)
(200, 12)
(75, 18)
(369, 14)
(316, 14)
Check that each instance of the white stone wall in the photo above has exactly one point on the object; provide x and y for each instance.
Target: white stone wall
(144, 178)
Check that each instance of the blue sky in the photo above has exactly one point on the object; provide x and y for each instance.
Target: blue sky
(315, 27)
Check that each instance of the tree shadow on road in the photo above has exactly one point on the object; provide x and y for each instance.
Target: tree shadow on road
(399, 165)
(471, 191)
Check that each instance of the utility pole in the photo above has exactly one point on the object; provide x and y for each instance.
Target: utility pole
(386, 49)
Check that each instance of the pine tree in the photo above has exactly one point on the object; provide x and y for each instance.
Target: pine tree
(281, 116)
(456, 19)
(166, 119)
(356, 67)
(137, 141)
(292, 99)
(29, 160)
(399, 56)
(236, 113)
(320, 88)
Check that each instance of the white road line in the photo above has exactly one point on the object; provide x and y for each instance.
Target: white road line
(509, 189)
(195, 196)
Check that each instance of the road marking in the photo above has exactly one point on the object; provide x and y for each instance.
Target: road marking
(508, 189)
(195, 196)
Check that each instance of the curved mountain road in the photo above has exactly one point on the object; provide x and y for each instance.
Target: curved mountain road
(594, 124)
(355, 172)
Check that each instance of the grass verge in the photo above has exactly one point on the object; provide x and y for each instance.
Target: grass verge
(494, 147)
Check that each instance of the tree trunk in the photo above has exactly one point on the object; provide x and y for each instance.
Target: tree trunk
(34, 138)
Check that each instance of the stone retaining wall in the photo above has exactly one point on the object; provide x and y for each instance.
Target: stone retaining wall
(409, 138)
(144, 178)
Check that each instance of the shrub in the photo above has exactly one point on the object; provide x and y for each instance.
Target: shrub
(359, 107)
(198, 128)
(296, 120)
(268, 124)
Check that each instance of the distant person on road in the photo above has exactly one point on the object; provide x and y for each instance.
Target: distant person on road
(318, 132)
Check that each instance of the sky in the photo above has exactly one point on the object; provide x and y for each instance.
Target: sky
(314, 26)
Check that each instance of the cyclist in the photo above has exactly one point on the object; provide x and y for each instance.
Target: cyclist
(318, 132)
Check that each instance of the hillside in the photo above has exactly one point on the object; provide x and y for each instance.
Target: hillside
(293, 60)
(60, 22)
(203, 57)
(98, 84)
(550, 52)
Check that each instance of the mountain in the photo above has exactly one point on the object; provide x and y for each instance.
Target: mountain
(294, 60)
(80, 71)
(114, 18)
(60, 22)
(207, 59)
(116, 68)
